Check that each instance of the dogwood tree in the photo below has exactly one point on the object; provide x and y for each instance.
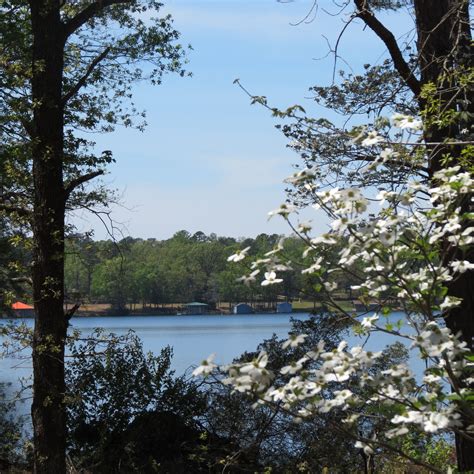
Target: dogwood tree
(404, 247)
(427, 81)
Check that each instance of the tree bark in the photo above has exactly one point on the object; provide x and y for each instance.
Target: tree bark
(445, 47)
(48, 408)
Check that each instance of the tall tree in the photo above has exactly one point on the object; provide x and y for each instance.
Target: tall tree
(66, 66)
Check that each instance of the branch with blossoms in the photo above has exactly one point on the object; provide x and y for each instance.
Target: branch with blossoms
(403, 256)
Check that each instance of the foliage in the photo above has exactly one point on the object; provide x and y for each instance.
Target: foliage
(178, 270)
(271, 435)
(125, 407)
(122, 44)
(313, 443)
(183, 269)
(128, 412)
(415, 253)
(66, 68)
(11, 439)
(13, 266)
(120, 400)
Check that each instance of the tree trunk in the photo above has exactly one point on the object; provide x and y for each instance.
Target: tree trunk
(444, 48)
(48, 409)
(445, 51)
(444, 45)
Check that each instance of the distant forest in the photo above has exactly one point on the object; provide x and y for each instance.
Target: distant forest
(149, 273)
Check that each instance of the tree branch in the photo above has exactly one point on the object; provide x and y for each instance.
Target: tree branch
(89, 12)
(82, 81)
(70, 312)
(367, 16)
(398, 163)
(28, 126)
(73, 184)
(22, 280)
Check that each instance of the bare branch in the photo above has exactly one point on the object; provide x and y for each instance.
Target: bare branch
(28, 126)
(70, 312)
(22, 279)
(336, 47)
(397, 163)
(69, 188)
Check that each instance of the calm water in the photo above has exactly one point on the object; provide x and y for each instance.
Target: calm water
(193, 338)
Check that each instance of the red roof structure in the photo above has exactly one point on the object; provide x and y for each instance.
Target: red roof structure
(20, 305)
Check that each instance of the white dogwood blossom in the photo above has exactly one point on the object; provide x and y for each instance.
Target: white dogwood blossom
(206, 367)
(402, 258)
(271, 279)
(461, 266)
(277, 249)
(294, 340)
(388, 154)
(372, 138)
(301, 176)
(239, 255)
(284, 210)
(248, 279)
(368, 322)
(406, 122)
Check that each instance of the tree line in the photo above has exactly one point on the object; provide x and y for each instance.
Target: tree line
(148, 273)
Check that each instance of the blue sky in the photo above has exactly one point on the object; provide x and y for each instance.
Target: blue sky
(208, 160)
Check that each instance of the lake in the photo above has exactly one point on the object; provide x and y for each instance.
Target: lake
(193, 338)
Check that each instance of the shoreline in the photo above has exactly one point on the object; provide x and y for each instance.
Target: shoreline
(154, 315)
